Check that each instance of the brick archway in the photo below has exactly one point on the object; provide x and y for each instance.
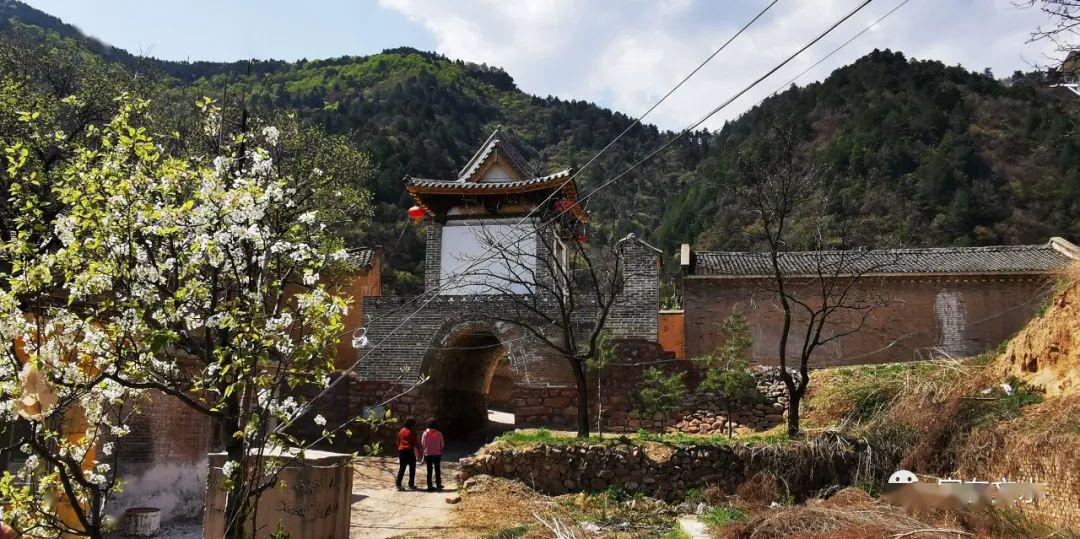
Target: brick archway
(469, 371)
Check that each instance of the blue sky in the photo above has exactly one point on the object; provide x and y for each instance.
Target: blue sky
(622, 54)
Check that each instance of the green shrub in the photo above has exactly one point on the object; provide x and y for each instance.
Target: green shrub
(659, 393)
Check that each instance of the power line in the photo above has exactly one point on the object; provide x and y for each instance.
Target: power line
(482, 257)
(837, 49)
(717, 109)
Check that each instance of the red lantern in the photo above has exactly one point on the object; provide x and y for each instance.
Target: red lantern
(416, 213)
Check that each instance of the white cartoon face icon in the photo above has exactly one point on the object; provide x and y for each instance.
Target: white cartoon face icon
(903, 477)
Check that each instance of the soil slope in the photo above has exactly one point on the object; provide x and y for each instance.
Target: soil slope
(1046, 353)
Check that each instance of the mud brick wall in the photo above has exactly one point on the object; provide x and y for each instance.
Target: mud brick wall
(924, 317)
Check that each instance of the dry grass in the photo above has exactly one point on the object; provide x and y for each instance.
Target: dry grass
(850, 513)
(501, 508)
(489, 505)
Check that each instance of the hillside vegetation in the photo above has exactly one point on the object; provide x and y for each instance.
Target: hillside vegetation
(920, 153)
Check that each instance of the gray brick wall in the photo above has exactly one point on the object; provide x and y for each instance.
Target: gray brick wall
(637, 308)
(407, 334)
(432, 255)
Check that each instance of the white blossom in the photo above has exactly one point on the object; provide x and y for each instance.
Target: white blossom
(271, 134)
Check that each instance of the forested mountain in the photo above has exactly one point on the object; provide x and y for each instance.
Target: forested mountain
(919, 152)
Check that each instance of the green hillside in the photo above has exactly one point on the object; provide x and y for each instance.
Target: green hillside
(921, 153)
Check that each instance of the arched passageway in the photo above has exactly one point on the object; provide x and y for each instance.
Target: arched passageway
(469, 376)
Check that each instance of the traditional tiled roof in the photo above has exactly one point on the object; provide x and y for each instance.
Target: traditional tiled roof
(1048, 257)
(429, 185)
(361, 258)
(436, 197)
(497, 141)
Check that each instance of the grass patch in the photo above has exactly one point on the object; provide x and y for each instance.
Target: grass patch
(1003, 404)
(675, 533)
(513, 532)
(775, 437)
(533, 437)
(721, 516)
(529, 437)
(861, 394)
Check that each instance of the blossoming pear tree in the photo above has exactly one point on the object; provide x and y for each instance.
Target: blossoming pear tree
(197, 278)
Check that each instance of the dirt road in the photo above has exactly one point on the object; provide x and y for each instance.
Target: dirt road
(379, 510)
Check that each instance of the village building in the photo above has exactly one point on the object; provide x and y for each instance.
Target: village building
(945, 301)
(955, 301)
(449, 335)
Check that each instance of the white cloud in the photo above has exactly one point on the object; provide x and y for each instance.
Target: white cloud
(627, 54)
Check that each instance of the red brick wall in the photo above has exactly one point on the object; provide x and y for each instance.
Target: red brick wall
(165, 430)
(960, 315)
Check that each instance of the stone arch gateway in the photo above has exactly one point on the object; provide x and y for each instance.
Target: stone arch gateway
(461, 368)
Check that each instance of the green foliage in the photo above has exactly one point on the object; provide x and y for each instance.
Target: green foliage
(728, 365)
(513, 532)
(619, 511)
(675, 533)
(658, 392)
(719, 516)
(863, 393)
(529, 437)
(924, 153)
(606, 351)
(683, 439)
(919, 157)
(1004, 402)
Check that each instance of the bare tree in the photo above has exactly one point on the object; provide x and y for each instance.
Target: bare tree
(821, 294)
(557, 288)
(1064, 30)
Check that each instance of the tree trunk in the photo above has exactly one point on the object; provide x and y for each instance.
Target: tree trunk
(582, 399)
(236, 509)
(794, 397)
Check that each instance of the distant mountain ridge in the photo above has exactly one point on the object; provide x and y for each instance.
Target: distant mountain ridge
(923, 153)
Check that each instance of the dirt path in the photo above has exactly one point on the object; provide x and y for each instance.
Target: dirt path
(379, 510)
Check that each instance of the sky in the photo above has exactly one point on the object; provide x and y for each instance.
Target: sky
(622, 54)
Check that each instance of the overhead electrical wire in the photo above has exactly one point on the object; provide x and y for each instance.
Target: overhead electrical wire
(435, 292)
(720, 107)
(481, 257)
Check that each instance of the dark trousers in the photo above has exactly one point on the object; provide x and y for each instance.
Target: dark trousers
(434, 462)
(406, 459)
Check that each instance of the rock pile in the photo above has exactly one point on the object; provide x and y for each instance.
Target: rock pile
(706, 412)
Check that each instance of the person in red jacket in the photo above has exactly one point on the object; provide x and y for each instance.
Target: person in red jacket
(406, 445)
(432, 442)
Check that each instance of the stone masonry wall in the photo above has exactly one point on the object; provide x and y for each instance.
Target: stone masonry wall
(957, 315)
(558, 470)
